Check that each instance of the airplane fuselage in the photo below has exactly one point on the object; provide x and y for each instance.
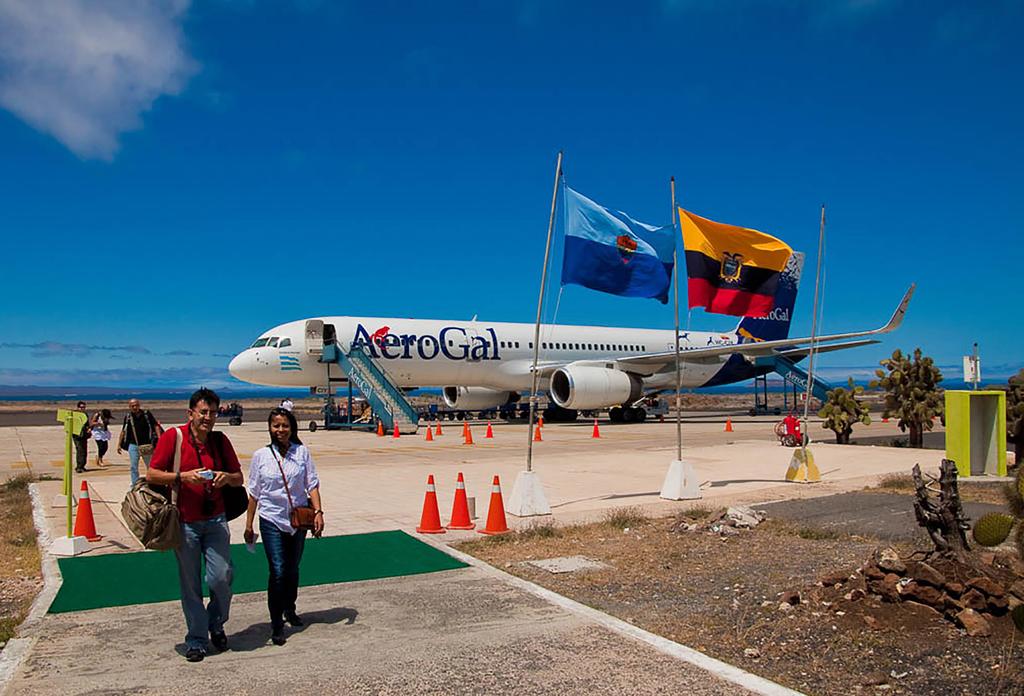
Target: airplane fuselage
(494, 355)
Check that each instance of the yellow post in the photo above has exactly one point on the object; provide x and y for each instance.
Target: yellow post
(73, 422)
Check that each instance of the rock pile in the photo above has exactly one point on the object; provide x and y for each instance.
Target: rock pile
(726, 523)
(964, 595)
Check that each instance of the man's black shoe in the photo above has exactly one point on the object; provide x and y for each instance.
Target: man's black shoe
(277, 637)
(79, 471)
(194, 655)
(219, 640)
(293, 618)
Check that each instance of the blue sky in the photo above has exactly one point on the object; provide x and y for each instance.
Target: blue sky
(178, 177)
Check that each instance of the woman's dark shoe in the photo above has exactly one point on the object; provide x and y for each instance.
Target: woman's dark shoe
(277, 637)
(194, 655)
(294, 619)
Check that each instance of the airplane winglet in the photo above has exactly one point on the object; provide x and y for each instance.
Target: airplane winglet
(901, 311)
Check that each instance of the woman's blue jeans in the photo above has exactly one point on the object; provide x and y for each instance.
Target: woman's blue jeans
(284, 551)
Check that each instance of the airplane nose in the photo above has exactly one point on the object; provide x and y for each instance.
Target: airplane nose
(240, 367)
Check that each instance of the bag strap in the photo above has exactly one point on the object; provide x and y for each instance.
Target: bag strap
(177, 464)
(291, 505)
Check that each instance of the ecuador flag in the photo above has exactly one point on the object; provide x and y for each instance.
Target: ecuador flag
(731, 270)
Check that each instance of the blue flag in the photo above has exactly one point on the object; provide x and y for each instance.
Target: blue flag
(611, 252)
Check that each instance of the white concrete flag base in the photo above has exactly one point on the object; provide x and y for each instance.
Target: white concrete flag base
(69, 546)
(60, 500)
(680, 482)
(527, 499)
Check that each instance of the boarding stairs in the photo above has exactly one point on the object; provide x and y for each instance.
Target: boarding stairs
(387, 400)
(795, 375)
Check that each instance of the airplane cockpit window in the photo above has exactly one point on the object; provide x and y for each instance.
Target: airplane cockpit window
(272, 343)
(284, 343)
(260, 343)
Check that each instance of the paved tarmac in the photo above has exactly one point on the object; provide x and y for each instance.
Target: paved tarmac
(451, 632)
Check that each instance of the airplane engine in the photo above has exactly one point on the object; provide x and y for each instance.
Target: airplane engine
(473, 398)
(585, 387)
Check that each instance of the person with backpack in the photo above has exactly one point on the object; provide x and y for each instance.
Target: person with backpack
(139, 434)
(285, 489)
(206, 464)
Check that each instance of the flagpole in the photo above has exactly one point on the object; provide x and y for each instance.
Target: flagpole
(679, 374)
(540, 307)
(814, 328)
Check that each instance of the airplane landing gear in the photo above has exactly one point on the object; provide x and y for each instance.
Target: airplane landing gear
(627, 414)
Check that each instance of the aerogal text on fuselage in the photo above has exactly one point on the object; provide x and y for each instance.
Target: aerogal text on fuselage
(465, 344)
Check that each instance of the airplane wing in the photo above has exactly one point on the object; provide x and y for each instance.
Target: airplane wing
(765, 348)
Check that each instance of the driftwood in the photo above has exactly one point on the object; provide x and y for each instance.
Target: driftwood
(943, 519)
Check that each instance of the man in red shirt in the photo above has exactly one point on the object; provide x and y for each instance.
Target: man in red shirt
(208, 463)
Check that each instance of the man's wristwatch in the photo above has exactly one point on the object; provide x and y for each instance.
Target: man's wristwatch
(318, 512)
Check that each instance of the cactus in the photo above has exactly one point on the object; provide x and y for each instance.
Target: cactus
(1015, 415)
(993, 529)
(912, 393)
(842, 409)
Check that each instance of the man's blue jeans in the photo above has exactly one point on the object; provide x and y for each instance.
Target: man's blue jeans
(284, 551)
(133, 461)
(209, 540)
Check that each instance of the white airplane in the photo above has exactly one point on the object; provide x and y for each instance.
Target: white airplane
(483, 365)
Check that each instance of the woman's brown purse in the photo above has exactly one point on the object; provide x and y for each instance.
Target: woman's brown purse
(301, 518)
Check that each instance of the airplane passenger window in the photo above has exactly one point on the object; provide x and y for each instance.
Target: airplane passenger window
(544, 346)
(284, 342)
(272, 343)
(260, 343)
(517, 344)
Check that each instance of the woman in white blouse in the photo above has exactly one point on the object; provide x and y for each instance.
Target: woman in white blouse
(282, 476)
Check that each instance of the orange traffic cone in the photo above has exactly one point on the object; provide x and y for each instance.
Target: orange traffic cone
(597, 431)
(380, 428)
(437, 428)
(467, 435)
(430, 436)
(84, 523)
(540, 421)
(490, 432)
(495, 511)
(885, 420)
(465, 428)
(430, 520)
(728, 425)
(536, 434)
(396, 434)
(460, 508)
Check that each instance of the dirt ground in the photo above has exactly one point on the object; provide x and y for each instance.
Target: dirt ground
(20, 576)
(722, 596)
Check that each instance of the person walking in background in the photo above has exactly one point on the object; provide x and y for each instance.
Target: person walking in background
(139, 434)
(81, 439)
(101, 433)
(282, 476)
(208, 463)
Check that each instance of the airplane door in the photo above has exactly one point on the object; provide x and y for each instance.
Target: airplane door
(314, 336)
(473, 338)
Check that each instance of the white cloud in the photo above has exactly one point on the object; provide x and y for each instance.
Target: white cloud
(84, 71)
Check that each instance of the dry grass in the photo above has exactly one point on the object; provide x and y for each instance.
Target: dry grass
(625, 517)
(19, 556)
(896, 482)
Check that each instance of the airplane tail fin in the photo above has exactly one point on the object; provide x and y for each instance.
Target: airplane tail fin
(776, 325)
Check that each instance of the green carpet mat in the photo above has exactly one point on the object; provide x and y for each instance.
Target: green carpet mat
(121, 579)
